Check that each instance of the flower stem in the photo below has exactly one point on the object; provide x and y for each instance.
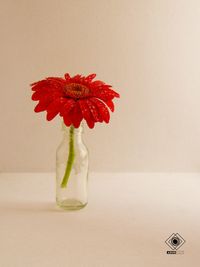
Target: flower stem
(71, 157)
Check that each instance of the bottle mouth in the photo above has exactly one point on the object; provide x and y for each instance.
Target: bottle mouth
(76, 130)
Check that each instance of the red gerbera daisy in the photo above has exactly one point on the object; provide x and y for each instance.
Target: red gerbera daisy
(74, 98)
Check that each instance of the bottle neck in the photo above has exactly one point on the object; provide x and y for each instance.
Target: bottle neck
(70, 132)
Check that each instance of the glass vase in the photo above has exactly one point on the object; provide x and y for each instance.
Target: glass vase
(72, 170)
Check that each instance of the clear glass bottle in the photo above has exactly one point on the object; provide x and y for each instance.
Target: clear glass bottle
(72, 170)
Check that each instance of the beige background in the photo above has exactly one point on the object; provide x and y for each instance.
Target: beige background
(147, 49)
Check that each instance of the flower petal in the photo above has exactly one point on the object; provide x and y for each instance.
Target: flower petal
(37, 95)
(67, 118)
(56, 82)
(76, 78)
(43, 104)
(86, 113)
(94, 111)
(97, 83)
(90, 77)
(66, 111)
(76, 115)
(103, 110)
(67, 77)
(50, 85)
(110, 104)
(105, 93)
(39, 85)
(68, 104)
(53, 109)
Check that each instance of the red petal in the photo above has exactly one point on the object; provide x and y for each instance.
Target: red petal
(94, 111)
(53, 109)
(67, 117)
(97, 83)
(76, 78)
(67, 106)
(86, 113)
(40, 107)
(43, 104)
(56, 82)
(102, 109)
(50, 85)
(38, 85)
(37, 95)
(67, 77)
(76, 115)
(66, 111)
(110, 104)
(105, 94)
(67, 120)
(90, 77)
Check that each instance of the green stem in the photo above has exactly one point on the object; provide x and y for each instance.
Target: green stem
(71, 157)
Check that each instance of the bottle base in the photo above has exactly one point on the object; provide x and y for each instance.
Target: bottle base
(71, 204)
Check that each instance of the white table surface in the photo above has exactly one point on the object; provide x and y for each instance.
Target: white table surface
(126, 222)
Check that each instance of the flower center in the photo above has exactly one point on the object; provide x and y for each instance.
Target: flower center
(76, 90)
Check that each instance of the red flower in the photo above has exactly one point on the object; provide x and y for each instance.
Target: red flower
(74, 98)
